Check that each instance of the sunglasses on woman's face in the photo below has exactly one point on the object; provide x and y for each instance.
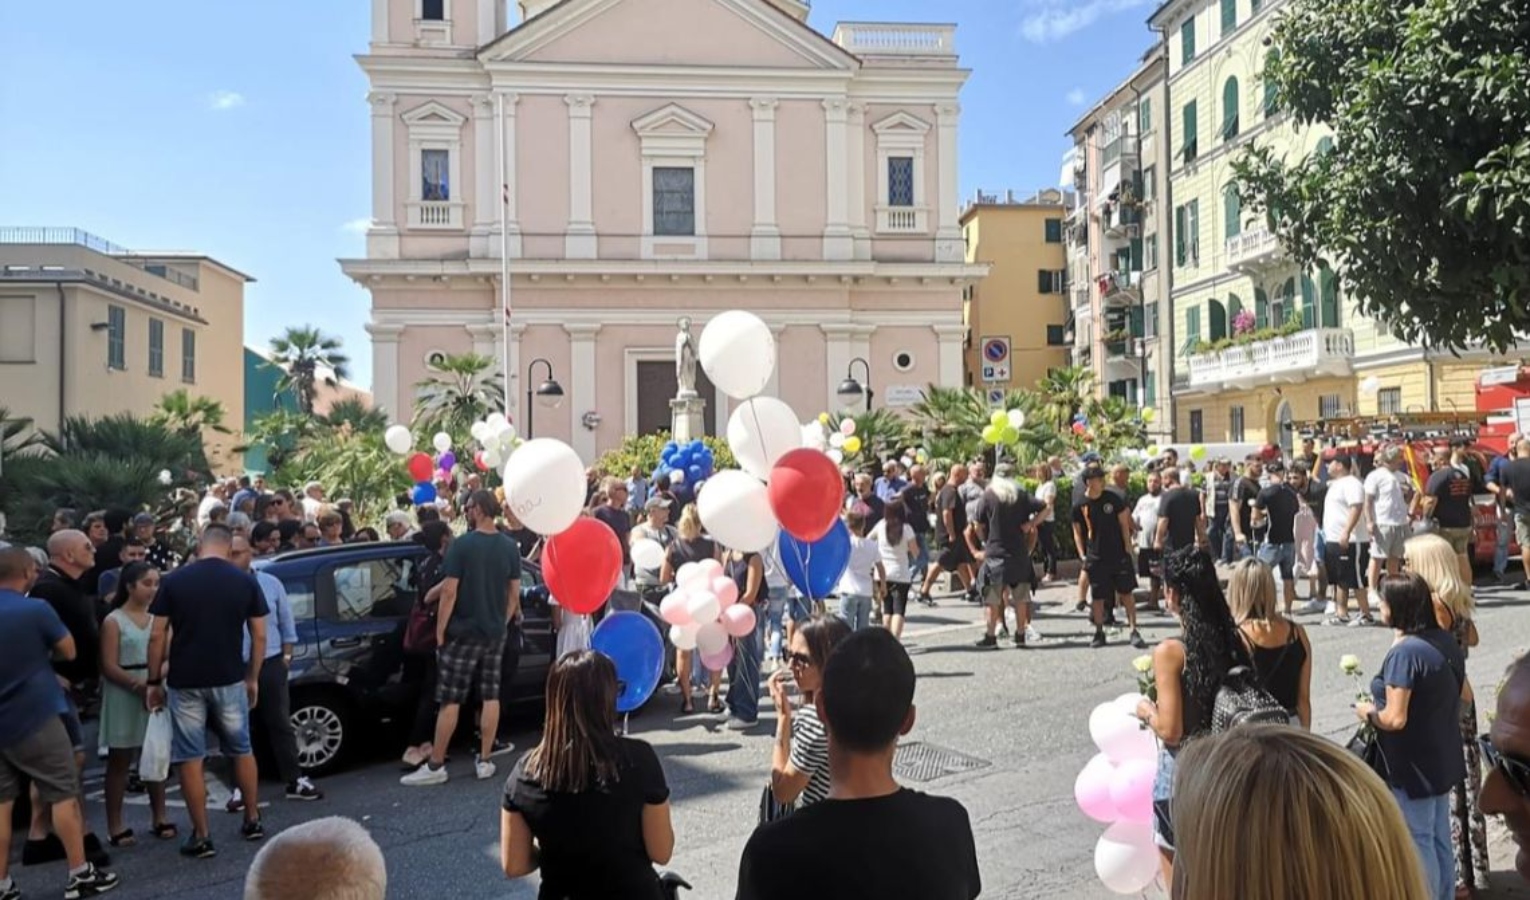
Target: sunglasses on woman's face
(798, 659)
(1515, 772)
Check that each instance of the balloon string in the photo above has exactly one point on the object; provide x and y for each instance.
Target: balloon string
(625, 718)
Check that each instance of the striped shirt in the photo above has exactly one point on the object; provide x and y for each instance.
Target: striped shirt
(810, 754)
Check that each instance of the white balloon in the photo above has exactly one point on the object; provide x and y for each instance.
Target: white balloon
(736, 511)
(738, 353)
(495, 419)
(492, 457)
(683, 636)
(479, 431)
(813, 437)
(398, 439)
(1125, 858)
(711, 568)
(1017, 418)
(687, 573)
(165, 477)
(836, 440)
(647, 554)
(442, 442)
(1118, 733)
(703, 607)
(544, 485)
(761, 431)
(711, 638)
(1370, 385)
(677, 477)
(836, 456)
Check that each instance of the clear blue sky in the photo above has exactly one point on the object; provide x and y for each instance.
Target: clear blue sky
(240, 129)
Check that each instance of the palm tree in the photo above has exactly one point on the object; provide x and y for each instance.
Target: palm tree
(282, 432)
(1064, 392)
(354, 413)
(16, 433)
(951, 421)
(301, 353)
(459, 390)
(179, 411)
(1116, 425)
(883, 434)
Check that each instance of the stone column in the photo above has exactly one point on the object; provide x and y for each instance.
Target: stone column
(765, 237)
(837, 241)
(837, 356)
(856, 175)
(949, 246)
(385, 369)
(379, 21)
(773, 386)
(581, 339)
(382, 236)
(485, 192)
(579, 240)
(950, 337)
(488, 21)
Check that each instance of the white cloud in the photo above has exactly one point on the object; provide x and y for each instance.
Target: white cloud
(1044, 21)
(357, 226)
(219, 101)
(1076, 97)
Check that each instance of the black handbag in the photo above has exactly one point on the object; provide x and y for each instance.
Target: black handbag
(770, 810)
(1366, 744)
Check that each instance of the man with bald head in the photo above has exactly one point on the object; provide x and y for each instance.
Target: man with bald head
(951, 515)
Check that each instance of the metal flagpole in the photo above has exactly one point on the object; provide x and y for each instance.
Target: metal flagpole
(504, 254)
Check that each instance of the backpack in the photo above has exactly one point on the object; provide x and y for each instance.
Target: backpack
(1242, 700)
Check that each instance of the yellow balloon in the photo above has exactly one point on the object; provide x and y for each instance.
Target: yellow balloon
(1197, 452)
(852, 445)
(999, 418)
(823, 418)
(1152, 449)
(1149, 414)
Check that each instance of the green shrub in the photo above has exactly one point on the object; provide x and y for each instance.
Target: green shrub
(643, 450)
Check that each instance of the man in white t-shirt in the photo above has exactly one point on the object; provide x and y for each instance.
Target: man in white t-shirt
(1046, 540)
(1386, 508)
(1145, 517)
(313, 501)
(1344, 542)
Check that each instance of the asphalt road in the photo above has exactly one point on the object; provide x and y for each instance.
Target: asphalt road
(1018, 717)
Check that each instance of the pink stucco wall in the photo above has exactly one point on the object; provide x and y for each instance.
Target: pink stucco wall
(645, 33)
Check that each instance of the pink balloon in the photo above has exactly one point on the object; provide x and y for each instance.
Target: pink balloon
(712, 567)
(1092, 790)
(717, 662)
(739, 620)
(726, 590)
(673, 609)
(1131, 790)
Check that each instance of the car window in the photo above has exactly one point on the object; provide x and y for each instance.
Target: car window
(300, 595)
(373, 588)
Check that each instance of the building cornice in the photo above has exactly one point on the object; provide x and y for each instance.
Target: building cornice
(581, 272)
(861, 322)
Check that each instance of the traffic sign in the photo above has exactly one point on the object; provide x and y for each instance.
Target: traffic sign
(995, 373)
(996, 350)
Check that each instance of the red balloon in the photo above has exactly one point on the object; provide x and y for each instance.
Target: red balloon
(582, 565)
(478, 461)
(420, 467)
(806, 493)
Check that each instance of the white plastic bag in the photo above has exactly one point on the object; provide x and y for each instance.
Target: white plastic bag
(154, 758)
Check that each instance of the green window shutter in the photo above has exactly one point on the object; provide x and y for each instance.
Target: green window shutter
(1328, 298)
(1193, 225)
(1232, 210)
(1218, 313)
(1135, 326)
(1135, 256)
(1043, 281)
(1261, 309)
(1145, 115)
(1179, 235)
(1234, 306)
(1271, 103)
(1150, 250)
(1229, 16)
(1149, 389)
(1187, 42)
(1190, 132)
(1230, 109)
(1192, 329)
(1054, 231)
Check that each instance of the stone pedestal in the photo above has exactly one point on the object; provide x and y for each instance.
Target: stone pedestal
(686, 422)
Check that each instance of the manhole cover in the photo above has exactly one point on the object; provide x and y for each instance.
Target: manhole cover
(918, 761)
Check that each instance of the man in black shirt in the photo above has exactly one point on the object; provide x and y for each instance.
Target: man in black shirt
(1447, 498)
(1240, 509)
(916, 501)
(1005, 526)
(1180, 519)
(951, 519)
(1275, 507)
(1102, 533)
(838, 847)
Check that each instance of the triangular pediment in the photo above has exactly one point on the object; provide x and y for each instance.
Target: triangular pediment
(434, 113)
(673, 119)
(900, 123)
(697, 33)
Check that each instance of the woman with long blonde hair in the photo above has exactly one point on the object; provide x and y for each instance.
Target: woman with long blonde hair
(1433, 559)
(1327, 826)
(1279, 648)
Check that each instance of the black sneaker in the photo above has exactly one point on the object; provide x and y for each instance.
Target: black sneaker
(500, 747)
(88, 883)
(198, 848)
(135, 784)
(11, 893)
(988, 642)
(1080, 606)
(252, 830)
(42, 850)
(1137, 641)
(303, 789)
(1099, 638)
(95, 854)
(1019, 639)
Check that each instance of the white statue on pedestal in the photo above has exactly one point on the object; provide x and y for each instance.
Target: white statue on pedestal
(685, 361)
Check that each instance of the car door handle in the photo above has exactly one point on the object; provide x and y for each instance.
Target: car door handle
(345, 642)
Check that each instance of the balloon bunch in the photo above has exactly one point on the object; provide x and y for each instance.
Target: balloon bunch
(1004, 427)
(497, 438)
(421, 466)
(703, 612)
(1116, 788)
(1081, 426)
(838, 443)
(692, 460)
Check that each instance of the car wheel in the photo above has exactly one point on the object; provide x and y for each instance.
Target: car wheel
(325, 731)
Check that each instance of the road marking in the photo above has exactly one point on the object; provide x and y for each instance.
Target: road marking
(218, 795)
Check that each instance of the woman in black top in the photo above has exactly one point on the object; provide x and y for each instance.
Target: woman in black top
(692, 546)
(589, 808)
(1188, 671)
(1282, 656)
(420, 665)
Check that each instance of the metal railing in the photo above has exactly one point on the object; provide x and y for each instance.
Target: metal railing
(79, 237)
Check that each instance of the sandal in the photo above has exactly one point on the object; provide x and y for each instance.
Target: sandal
(716, 706)
(123, 838)
(687, 706)
(165, 830)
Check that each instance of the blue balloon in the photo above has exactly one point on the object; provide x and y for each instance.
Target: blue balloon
(637, 648)
(693, 472)
(815, 567)
(424, 493)
(669, 448)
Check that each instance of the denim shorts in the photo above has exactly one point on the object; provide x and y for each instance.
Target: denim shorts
(1280, 557)
(1163, 799)
(193, 711)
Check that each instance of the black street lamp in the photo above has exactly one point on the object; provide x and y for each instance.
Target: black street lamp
(549, 393)
(851, 391)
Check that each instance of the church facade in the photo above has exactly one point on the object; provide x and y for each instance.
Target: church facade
(633, 162)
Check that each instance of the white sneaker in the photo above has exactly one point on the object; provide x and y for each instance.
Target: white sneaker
(425, 775)
(1032, 636)
(484, 769)
(1375, 599)
(1312, 606)
(1331, 608)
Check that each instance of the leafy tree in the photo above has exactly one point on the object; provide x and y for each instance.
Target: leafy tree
(1063, 394)
(458, 391)
(1116, 425)
(1423, 204)
(301, 352)
(356, 414)
(282, 433)
(354, 464)
(181, 412)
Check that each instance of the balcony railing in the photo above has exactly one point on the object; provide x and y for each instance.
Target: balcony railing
(435, 214)
(902, 220)
(1314, 353)
(1121, 220)
(1254, 249)
(1120, 285)
(895, 39)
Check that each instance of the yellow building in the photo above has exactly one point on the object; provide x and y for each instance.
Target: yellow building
(1022, 306)
(88, 328)
(1259, 344)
